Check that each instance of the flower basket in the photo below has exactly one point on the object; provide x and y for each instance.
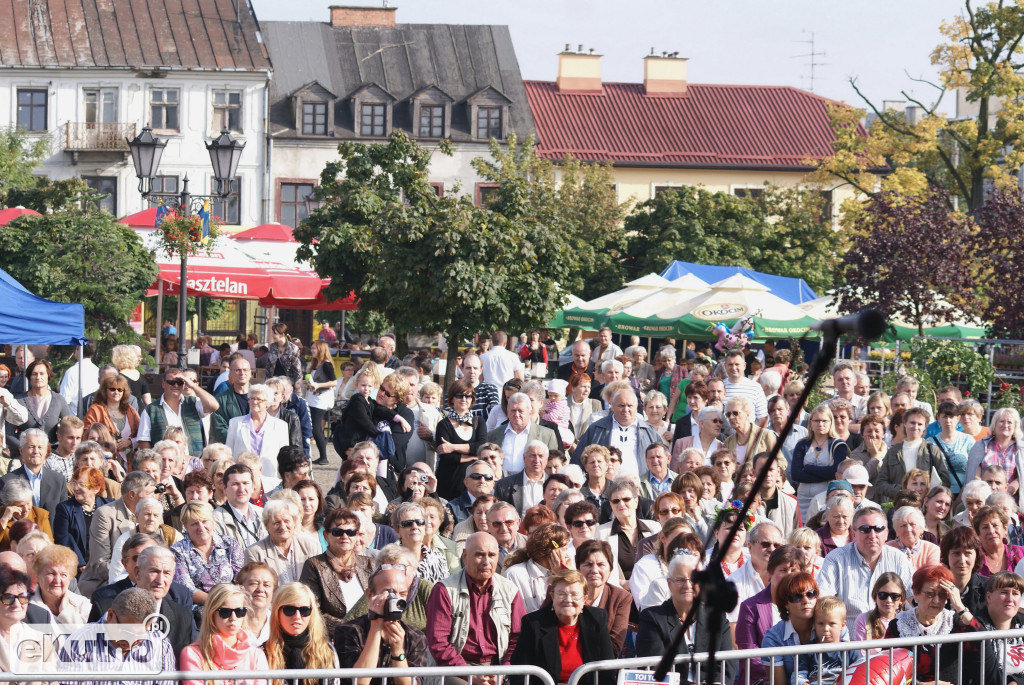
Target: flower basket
(183, 235)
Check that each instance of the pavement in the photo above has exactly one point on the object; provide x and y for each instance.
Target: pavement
(326, 476)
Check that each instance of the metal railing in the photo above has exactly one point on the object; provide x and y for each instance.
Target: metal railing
(101, 137)
(593, 669)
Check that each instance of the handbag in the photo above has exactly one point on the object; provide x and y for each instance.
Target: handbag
(949, 462)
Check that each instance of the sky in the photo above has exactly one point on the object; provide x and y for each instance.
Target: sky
(885, 45)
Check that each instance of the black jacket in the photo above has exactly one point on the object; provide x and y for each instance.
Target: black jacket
(658, 625)
(53, 489)
(104, 596)
(538, 643)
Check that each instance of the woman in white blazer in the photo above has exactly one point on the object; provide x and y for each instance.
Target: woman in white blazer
(256, 431)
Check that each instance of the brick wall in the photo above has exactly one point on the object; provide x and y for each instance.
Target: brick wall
(362, 16)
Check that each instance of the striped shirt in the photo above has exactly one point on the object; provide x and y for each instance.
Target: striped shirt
(745, 387)
(845, 574)
(487, 395)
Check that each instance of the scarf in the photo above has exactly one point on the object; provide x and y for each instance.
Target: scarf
(343, 572)
(909, 626)
(466, 418)
(292, 646)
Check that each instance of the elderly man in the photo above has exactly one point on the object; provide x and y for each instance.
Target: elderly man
(738, 385)
(232, 401)
(176, 409)
(499, 363)
(388, 343)
(238, 518)
(624, 429)
(777, 506)
(525, 488)
(487, 394)
(659, 478)
(170, 463)
(844, 378)
(514, 434)
(108, 522)
(850, 572)
(763, 539)
(367, 454)
(371, 641)
(479, 481)
(130, 553)
(613, 370)
(48, 487)
(155, 575)
(299, 407)
(475, 614)
(503, 523)
(23, 356)
(580, 364)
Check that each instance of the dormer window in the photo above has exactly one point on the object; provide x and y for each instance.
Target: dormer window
(488, 122)
(488, 112)
(431, 113)
(431, 121)
(314, 110)
(314, 118)
(372, 120)
(372, 109)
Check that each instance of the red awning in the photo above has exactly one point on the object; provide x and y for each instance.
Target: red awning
(268, 232)
(144, 219)
(319, 302)
(8, 215)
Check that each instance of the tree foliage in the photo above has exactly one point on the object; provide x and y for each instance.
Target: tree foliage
(910, 260)
(981, 56)
(19, 155)
(44, 194)
(83, 257)
(997, 246)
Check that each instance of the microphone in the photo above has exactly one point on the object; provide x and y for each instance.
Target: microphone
(867, 323)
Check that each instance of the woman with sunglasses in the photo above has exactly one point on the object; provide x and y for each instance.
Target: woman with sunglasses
(111, 407)
(626, 529)
(888, 595)
(14, 598)
(939, 610)
(410, 522)
(338, 576)
(298, 639)
(224, 644)
(795, 599)
(457, 438)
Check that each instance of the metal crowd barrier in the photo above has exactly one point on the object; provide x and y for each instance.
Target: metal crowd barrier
(697, 662)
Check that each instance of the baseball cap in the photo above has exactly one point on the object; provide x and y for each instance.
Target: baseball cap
(834, 485)
(856, 475)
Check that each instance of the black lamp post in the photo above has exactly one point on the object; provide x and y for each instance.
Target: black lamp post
(225, 152)
(313, 203)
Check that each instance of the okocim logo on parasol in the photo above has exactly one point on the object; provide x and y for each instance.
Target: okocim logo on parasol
(715, 312)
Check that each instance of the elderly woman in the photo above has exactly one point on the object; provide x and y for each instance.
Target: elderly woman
(960, 552)
(283, 550)
(457, 439)
(971, 415)
(497, 415)
(546, 552)
(991, 524)
(656, 412)
(816, 457)
(224, 643)
(1004, 447)
(17, 505)
(909, 525)
(409, 521)
(709, 421)
(55, 567)
(594, 560)
(45, 408)
(74, 515)
(835, 531)
(14, 599)
(579, 630)
(110, 406)
(642, 371)
(260, 582)
(625, 530)
(149, 519)
(391, 407)
(659, 625)
(595, 460)
(258, 432)
(748, 438)
(338, 577)
(127, 358)
(203, 558)
(933, 591)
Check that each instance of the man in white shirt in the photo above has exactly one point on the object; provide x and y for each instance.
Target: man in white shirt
(738, 385)
(500, 364)
(90, 375)
(850, 572)
(525, 488)
(751, 578)
(605, 349)
(12, 412)
(519, 430)
(238, 517)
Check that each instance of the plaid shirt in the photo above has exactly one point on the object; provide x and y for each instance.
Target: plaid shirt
(82, 654)
(1006, 459)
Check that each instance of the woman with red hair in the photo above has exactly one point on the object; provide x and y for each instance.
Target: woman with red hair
(932, 586)
(795, 598)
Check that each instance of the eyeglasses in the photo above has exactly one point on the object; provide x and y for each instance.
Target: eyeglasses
(731, 413)
(8, 598)
(394, 567)
(289, 611)
(563, 595)
(225, 612)
(409, 523)
(797, 596)
(622, 500)
(724, 462)
(715, 420)
(344, 532)
(503, 524)
(932, 594)
(681, 581)
(871, 529)
(480, 476)
(769, 544)
(462, 396)
(583, 523)
(176, 382)
(670, 512)
(890, 596)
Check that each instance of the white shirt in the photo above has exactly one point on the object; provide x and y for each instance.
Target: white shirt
(513, 445)
(533, 491)
(69, 384)
(624, 438)
(845, 574)
(172, 417)
(748, 583)
(610, 352)
(499, 365)
(745, 387)
(910, 452)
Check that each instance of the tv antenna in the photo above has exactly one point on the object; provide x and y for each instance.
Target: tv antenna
(811, 57)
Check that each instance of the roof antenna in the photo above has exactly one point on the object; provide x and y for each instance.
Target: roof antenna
(811, 56)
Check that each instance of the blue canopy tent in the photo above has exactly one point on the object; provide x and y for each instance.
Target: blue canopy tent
(792, 290)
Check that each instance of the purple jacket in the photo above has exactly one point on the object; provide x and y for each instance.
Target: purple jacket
(754, 620)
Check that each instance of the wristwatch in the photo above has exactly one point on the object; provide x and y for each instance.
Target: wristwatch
(400, 657)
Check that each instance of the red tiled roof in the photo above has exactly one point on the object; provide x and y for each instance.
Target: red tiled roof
(710, 126)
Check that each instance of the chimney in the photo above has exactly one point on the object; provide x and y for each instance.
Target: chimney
(346, 15)
(578, 72)
(664, 74)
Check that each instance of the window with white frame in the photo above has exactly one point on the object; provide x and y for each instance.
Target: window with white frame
(227, 110)
(163, 109)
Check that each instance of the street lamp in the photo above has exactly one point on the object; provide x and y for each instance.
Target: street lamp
(225, 152)
(313, 203)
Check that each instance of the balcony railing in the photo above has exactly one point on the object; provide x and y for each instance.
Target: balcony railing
(98, 137)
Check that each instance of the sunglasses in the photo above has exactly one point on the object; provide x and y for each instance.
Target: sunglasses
(225, 612)
(462, 396)
(176, 382)
(768, 544)
(715, 420)
(871, 529)
(890, 596)
(289, 611)
(583, 523)
(344, 532)
(8, 598)
(622, 500)
(731, 413)
(409, 523)
(481, 476)
(384, 392)
(797, 596)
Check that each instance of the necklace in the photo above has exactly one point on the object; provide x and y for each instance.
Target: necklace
(817, 447)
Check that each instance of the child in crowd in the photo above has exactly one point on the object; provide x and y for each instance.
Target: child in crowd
(556, 410)
(556, 460)
(828, 668)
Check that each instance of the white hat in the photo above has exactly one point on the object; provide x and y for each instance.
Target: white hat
(557, 385)
(856, 475)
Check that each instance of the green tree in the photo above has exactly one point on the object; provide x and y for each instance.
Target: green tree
(18, 157)
(427, 262)
(44, 194)
(84, 257)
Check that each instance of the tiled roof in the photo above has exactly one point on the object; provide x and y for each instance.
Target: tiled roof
(166, 34)
(710, 126)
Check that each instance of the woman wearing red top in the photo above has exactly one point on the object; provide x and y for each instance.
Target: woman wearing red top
(580, 631)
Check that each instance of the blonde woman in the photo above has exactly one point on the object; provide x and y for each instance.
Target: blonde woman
(224, 643)
(216, 473)
(816, 457)
(126, 358)
(298, 638)
(320, 382)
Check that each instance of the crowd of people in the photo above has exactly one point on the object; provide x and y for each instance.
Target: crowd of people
(532, 513)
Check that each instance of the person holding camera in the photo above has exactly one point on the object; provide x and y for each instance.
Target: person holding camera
(380, 639)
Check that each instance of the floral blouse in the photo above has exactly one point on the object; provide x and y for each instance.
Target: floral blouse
(196, 573)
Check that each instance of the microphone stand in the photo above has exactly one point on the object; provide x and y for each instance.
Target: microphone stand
(717, 593)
